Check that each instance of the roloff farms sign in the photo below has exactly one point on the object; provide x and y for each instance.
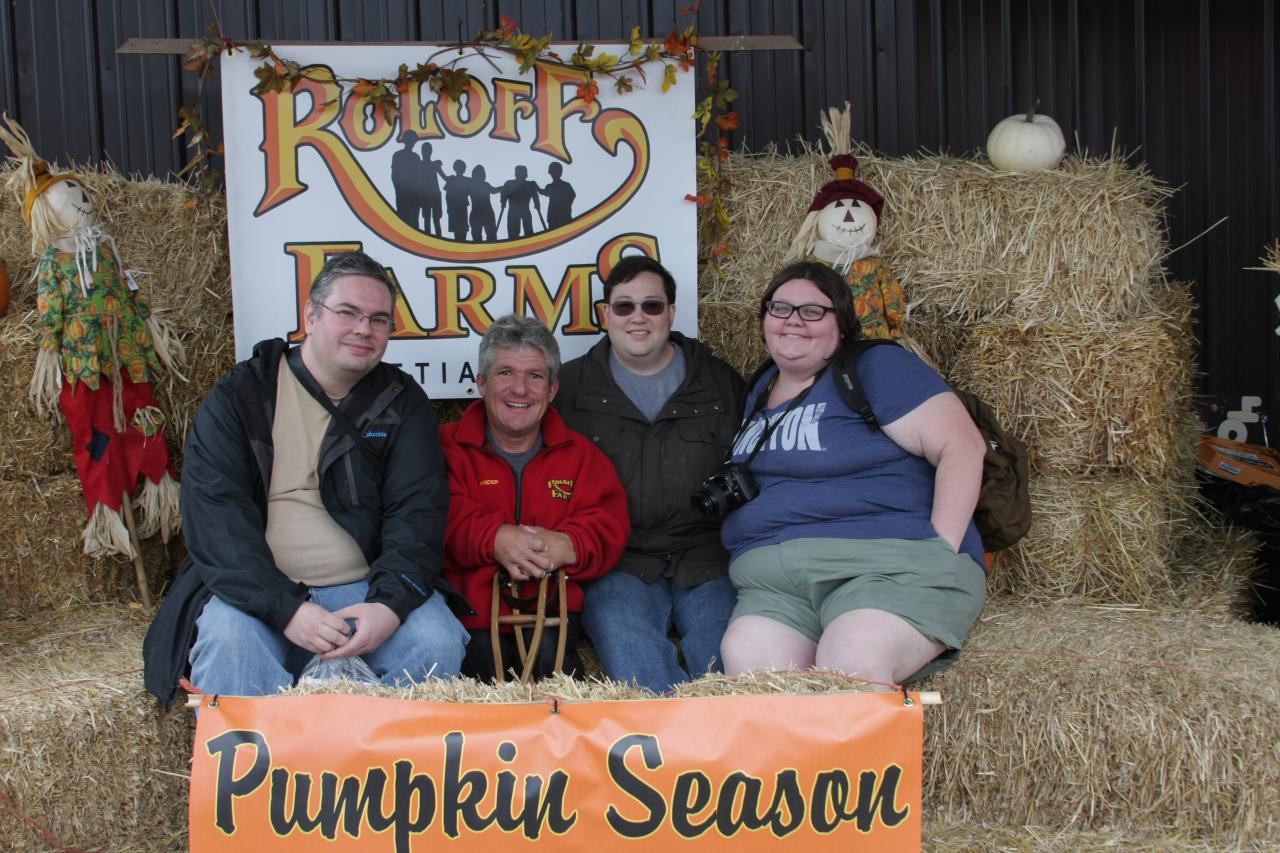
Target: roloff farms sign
(518, 196)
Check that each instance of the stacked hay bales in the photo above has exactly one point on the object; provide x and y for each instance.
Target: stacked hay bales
(179, 247)
(1062, 728)
(1045, 295)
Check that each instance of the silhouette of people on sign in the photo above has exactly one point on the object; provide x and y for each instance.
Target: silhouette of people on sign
(406, 171)
(516, 195)
(560, 196)
(484, 227)
(432, 207)
(457, 193)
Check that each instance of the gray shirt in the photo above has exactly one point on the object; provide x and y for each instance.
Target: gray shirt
(649, 393)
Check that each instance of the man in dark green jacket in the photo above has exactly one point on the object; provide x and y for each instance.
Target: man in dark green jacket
(664, 410)
(313, 507)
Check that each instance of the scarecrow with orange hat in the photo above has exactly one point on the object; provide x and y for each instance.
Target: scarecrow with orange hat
(840, 231)
(100, 348)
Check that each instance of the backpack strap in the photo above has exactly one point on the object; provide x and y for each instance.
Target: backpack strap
(844, 368)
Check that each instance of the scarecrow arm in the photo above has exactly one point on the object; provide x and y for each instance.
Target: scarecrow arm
(46, 381)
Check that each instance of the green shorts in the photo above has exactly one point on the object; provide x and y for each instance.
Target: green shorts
(806, 583)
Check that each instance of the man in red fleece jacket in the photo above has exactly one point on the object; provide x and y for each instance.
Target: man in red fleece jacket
(528, 494)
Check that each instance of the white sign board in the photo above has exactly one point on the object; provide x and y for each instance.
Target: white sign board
(517, 197)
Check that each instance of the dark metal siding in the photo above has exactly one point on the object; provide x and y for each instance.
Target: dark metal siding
(1189, 86)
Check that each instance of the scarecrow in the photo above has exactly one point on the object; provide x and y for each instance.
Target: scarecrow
(100, 348)
(840, 231)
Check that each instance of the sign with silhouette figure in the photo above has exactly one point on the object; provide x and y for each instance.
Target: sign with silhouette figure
(518, 196)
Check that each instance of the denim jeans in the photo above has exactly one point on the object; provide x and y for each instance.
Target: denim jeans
(240, 655)
(628, 620)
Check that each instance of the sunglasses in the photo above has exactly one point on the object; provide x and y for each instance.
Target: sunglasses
(624, 307)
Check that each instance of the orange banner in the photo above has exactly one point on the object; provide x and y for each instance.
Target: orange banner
(817, 772)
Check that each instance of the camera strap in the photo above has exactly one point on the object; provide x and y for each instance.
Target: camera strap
(772, 424)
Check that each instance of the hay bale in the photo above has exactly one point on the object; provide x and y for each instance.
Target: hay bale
(1059, 725)
(1217, 570)
(945, 836)
(1099, 540)
(733, 333)
(1098, 719)
(1080, 243)
(88, 755)
(45, 567)
(1102, 398)
(30, 446)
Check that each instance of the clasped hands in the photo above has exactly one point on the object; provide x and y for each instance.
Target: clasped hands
(328, 634)
(528, 552)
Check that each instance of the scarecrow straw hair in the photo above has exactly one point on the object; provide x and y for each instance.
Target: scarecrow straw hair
(23, 178)
(835, 128)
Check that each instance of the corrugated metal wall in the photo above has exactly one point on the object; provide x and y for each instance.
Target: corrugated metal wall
(1189, 85)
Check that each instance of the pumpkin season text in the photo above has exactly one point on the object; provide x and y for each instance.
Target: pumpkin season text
(407, 803)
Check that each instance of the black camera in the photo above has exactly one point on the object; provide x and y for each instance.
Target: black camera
(724, 491)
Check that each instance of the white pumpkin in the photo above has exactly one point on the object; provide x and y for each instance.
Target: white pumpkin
(1026, 143)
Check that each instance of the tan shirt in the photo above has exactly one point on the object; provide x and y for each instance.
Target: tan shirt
(307, 544)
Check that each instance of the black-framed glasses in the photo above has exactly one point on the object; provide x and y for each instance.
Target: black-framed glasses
(808, 313)
(624, 307)
(377, 322)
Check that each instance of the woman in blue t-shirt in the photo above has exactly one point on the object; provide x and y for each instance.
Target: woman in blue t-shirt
(859, 553)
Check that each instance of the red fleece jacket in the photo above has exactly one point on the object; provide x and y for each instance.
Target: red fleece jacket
(569, 486)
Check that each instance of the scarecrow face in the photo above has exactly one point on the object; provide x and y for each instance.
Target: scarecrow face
(70, 204)
(848, 223)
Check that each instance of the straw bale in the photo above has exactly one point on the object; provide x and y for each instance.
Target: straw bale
(1218, 570)
(1104, 719)
(1058, 724)
(87, 755)
(945, 836)
(44, 566)
(1081, 243)
(733, 333)
(1100, 540)
(30, 446)
(1107, 397)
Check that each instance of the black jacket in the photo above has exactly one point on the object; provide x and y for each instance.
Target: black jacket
(662, 463)
(391, 495)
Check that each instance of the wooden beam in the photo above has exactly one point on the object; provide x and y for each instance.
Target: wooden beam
(181, 47)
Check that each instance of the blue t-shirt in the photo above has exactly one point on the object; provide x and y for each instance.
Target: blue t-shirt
(825, 473)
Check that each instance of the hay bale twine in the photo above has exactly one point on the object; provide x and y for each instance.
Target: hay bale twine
(45, 567)
(87, 754)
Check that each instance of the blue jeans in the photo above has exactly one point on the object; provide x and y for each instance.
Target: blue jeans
(628, 620)
(240, 655)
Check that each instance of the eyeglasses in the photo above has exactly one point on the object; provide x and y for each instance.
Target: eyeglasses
(808, 313)
(624, 307)
(377, 322)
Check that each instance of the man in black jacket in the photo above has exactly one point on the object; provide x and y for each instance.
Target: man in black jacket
(313, 506)
(664, 410)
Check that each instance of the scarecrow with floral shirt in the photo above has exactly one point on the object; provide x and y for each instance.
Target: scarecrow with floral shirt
(100, 349)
